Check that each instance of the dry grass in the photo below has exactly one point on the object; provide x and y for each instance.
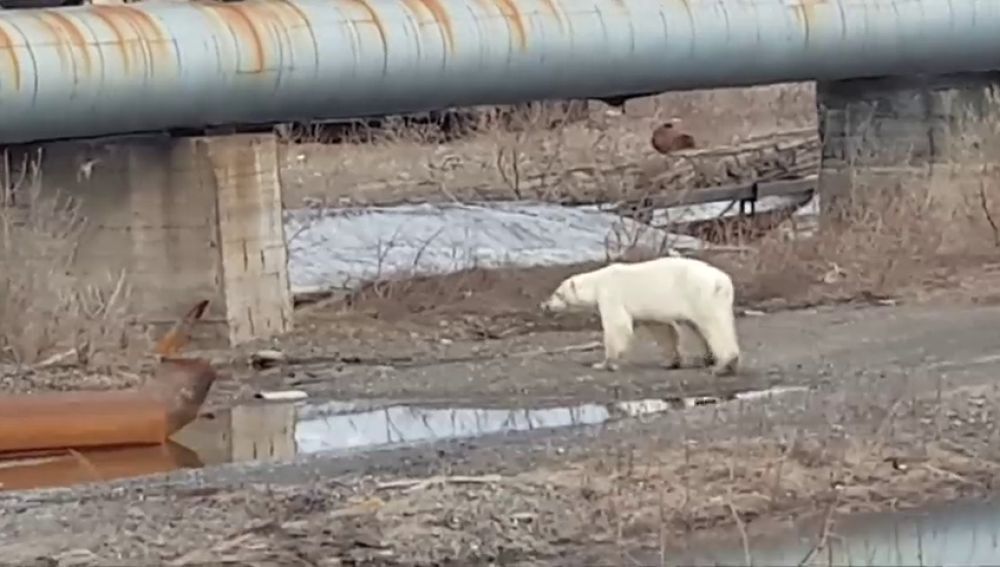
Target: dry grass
(704, 488)
(536, 155)
(44, 310)
(881, 247)
(887, 245)
(893, 236)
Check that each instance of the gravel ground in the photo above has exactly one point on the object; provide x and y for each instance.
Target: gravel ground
(901, 410)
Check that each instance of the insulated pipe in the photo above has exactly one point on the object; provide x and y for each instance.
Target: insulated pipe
(160, 64)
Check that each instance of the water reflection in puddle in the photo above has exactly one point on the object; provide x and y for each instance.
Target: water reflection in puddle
(47, 469)
(279, 431)
(955, 534)
(272, 430)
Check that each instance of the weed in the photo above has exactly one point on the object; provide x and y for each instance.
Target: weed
(44, 310)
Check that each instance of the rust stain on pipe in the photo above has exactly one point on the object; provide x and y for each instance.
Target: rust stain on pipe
(15, 67)
(136, 34)
(439, 15)
(552, 6)
(110, 20)
(686, 5)
(379, 27)
(244, 29)
(515, 21)
(154, 38)
(69, 40)
(805, 12)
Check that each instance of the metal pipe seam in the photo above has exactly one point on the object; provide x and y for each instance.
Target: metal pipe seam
(161, 64)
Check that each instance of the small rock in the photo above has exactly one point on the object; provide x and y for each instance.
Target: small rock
(76, 557)
(267, 358)
(283, 395)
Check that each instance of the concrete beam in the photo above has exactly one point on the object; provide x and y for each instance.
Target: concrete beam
(186, 219)
(935, 133)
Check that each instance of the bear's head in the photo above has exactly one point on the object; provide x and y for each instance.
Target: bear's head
(566, 297)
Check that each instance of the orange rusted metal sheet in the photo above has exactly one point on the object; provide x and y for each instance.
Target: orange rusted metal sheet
(81, 419)
(46, 469)
(178, 336)
(145, 415)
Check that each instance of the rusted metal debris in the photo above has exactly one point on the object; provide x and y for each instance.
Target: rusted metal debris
(739, 225)
(146, 415)
(46, 469)
(754, 209)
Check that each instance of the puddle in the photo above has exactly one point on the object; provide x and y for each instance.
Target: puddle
(954, 534)
(280, 431)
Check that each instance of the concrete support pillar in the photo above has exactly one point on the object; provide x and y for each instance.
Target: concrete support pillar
(937, 134)
(186, 219)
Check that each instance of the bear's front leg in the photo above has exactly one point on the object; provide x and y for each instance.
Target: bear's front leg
(617, 326)
(692, 348)
(720, 335)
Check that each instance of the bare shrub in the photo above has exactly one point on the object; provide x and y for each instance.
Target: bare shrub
(44, 309)
(542, 152)
(900, 227)
(880, 243)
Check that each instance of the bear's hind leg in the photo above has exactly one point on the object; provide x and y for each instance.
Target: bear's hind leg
(617, 326)
(665, 335)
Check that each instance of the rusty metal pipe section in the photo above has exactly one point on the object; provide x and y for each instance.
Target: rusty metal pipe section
(161, 64)
(60, 468)
(146, 415)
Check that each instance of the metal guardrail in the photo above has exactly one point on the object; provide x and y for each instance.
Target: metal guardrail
(746, 193)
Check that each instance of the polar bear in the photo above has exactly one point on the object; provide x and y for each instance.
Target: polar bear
(685, 303)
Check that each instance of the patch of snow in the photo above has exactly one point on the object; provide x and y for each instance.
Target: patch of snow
(342, 248)
(339, 249)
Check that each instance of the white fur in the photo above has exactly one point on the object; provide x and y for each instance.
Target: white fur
(686, 304)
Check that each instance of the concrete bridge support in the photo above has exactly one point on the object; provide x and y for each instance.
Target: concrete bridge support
(186, 219)
(924, 135)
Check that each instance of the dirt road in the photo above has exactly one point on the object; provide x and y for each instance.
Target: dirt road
(902, 409)
(814, 347)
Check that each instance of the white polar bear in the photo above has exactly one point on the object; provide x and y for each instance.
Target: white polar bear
(683, 302)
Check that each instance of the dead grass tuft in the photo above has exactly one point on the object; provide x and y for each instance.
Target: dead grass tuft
(548, 152)
(876, 248)
(887, 245)
(895, 237)
(44, 310)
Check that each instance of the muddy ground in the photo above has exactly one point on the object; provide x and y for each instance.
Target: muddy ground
(902, 410)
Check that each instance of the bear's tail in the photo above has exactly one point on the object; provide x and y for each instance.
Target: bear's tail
(723, 288)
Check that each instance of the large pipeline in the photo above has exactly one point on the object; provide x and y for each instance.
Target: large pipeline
(163, 64)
